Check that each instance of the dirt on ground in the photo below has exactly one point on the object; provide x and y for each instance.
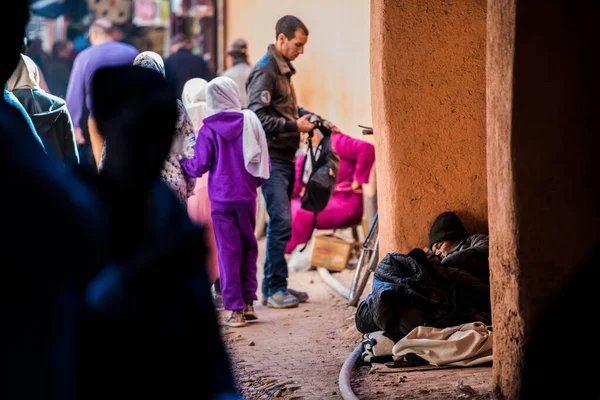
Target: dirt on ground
(298, 353)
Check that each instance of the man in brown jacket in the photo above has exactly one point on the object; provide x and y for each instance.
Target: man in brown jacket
(272, 97)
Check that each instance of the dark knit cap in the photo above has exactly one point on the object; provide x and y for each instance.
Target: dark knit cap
(447, 226)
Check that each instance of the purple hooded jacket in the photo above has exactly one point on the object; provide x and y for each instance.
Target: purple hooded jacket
(219, 150)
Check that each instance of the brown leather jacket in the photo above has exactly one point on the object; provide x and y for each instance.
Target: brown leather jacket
(271, 95)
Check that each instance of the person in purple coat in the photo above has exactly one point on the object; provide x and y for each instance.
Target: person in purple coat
(232, 146)
(345, 208)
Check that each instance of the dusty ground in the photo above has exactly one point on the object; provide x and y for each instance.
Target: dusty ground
(298, 353)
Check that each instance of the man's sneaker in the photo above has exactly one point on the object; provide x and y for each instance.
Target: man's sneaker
(301, 296)
(281, 299)
(249, 312)
(235, 320)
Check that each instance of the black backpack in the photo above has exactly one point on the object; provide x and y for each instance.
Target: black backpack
(321, 183)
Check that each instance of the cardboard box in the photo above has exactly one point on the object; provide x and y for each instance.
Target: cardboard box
(330, 252)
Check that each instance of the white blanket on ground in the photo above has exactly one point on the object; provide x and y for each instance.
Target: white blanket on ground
(464, 345)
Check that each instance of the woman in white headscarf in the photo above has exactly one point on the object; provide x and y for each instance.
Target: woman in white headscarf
(232, 148)
(194, 100)
(48, 113)
(183, 141)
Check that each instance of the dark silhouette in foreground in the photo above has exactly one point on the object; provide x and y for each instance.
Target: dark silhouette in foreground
(152, 326)
(53, 243)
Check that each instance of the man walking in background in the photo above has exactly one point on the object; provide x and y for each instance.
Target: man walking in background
(271, 96)
(59, 68)
(104, 51)
(240, 67)
(182, 65)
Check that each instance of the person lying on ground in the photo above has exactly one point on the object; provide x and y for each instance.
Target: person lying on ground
(449, 286)
(457, 248)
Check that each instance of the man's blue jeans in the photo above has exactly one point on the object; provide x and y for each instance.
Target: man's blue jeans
(277, 191)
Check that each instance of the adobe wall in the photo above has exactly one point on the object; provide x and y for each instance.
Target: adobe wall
(543, 167)
(428, 101)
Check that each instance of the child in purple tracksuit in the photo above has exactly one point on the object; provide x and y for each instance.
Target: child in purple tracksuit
(231, 145)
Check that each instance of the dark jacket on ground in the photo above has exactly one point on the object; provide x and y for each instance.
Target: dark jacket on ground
(471, 255)
(416, 290)
(270, 94)
(182, 66)
(52, 122)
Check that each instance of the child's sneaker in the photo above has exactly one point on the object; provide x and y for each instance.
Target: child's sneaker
(235, 320)
(249, 312)
(282, 299)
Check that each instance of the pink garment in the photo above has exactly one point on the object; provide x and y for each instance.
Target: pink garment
(345, 208)
(199, 211)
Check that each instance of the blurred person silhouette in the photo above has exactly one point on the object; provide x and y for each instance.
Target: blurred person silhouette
(118, 33)
(183, 141)
(59, 66)
(153, 320)
(103, 51)
(183, 65)
(33, 49)
(54, 244)
(232, 146)
(194, 100)
(48, 113)
(240, 68)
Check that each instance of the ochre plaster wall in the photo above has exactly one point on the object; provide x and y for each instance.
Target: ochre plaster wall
(543, 166)
(428, 102)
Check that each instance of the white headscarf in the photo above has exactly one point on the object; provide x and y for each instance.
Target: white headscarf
(25, 76)
(223, 95)
(194, 100)
(150, 60)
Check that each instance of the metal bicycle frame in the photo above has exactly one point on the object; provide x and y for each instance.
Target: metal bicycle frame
(373, 254)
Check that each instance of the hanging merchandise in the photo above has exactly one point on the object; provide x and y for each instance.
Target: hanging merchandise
(118, 11)
(48, 8)
(154, 13)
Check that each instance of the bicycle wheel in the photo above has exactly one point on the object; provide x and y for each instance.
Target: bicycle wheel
(367, 263)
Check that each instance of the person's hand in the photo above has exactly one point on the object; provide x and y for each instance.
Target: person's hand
(356, 187)
(304, 125)
(302, 190)
(427, 251)
(331, 126)
(79, 139)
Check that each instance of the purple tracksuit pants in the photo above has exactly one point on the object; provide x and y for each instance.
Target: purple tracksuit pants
(234, 224)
